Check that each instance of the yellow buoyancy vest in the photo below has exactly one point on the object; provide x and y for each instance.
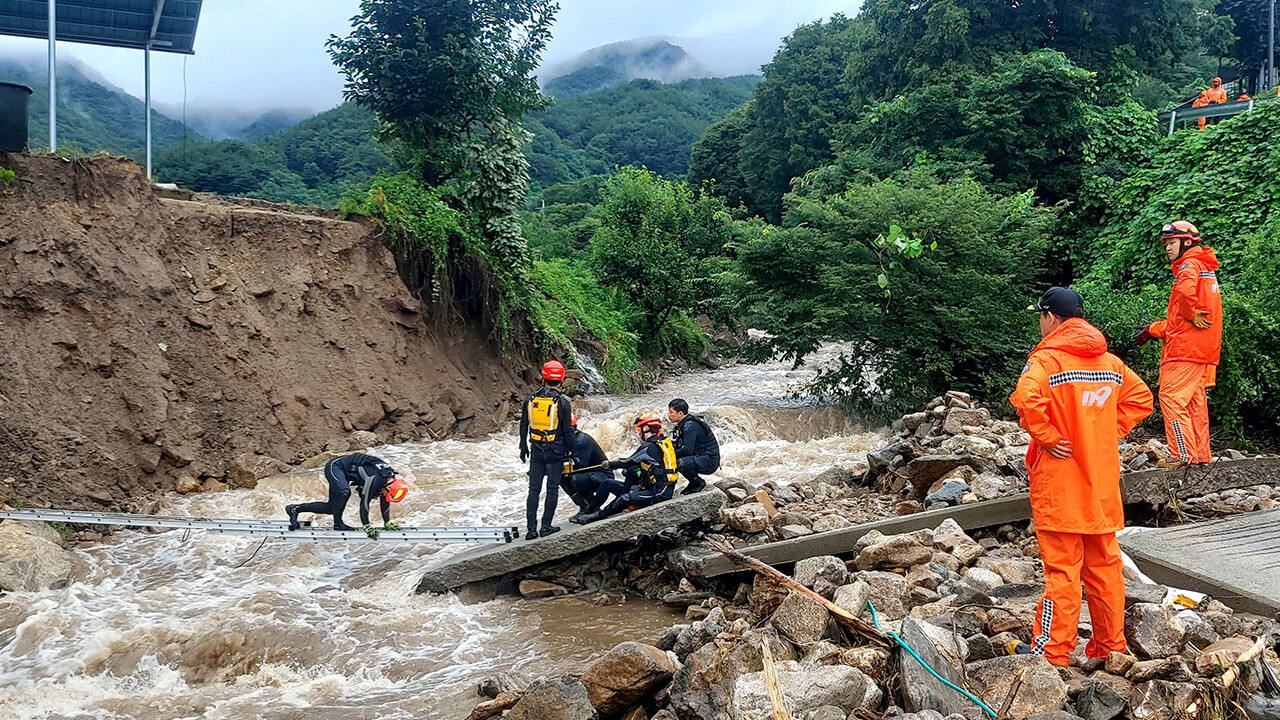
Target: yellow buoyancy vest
(668, 461)
(544, 419)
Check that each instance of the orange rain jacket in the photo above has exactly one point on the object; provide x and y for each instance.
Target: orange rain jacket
(1195, 287)
(1073, 389)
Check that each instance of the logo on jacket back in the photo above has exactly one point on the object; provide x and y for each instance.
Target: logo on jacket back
(1096, 398)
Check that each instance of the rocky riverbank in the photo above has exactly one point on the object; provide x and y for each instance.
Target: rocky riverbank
(959, 601)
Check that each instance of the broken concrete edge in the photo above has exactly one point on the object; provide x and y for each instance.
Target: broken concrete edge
(492, 563)
(1237, 598)
(1144, 487)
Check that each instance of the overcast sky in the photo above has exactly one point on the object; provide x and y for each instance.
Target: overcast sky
(270, 53)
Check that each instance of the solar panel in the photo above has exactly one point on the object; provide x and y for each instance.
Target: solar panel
(168, 25)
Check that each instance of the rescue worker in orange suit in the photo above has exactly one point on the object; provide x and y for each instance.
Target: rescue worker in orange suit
(651, 471)
(1192, 336)
(547, 425)
(1077, 400)
(1213, 95)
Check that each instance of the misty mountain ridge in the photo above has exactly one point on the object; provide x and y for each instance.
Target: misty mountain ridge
(216, 121)
(619, 63)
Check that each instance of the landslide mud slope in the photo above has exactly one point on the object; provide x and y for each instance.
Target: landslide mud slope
(142, 339)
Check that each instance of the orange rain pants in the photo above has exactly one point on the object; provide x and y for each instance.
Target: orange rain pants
(1186, 409)
(1069, 558)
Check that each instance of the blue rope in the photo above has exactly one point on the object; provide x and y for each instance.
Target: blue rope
(925, 665)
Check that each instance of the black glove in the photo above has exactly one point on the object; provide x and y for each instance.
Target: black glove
(606, 465)
(524, 453)
(1144, 336)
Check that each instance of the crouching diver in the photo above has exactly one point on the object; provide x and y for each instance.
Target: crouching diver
(588, 487)
(651, 470)
(373, 477)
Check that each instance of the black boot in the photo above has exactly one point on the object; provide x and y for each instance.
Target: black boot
(697, 484)
(549, 531)
(590, 518)
(577, 519)
(292, 510)
(531, 535)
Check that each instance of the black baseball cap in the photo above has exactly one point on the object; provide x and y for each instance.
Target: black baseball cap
(1063, 302)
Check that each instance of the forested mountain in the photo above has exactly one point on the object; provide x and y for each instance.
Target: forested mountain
(91, 114)
(619, 63)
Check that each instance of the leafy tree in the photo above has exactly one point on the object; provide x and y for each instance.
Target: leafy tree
(954, 313)
(713, 161)
(656, 245)
(440, 72)
(1250, 25)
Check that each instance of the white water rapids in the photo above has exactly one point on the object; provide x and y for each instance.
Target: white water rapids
(170, 626)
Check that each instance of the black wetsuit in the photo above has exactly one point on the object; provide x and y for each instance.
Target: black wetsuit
(649, 485)
(370, 475)
(697, 449)
(546, 458)
(591, 488)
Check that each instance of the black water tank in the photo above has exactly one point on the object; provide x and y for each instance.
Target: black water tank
(13, 116)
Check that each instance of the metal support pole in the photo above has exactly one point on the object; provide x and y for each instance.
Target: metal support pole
(1271, 46)
(146, 54)
(53, 77)
(1173, 121)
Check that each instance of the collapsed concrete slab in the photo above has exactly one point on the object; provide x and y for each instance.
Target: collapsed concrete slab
(1235, 559)
(1148, 487)
(493, 561)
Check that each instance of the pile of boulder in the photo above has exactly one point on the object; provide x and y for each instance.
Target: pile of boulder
(962, 604)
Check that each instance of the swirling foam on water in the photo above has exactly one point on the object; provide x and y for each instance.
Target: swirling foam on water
(168, 626)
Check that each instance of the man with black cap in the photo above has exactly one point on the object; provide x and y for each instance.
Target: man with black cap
(1077, 400)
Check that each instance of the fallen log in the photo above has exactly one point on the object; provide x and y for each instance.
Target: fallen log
(848, 620)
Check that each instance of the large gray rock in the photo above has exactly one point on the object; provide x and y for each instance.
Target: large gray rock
(895, 551)
(889, 592)
(853, 597)
(920, 690)
(1160, 700)
(1151, 632)
(982, 579)
(805, 690)
(800, 619)
(1140, 592)
(1013, 572)
(703, 686)
(749, 518)
(971, 446)
(1042, 690)
(625, 675)
(491, 561)
(556, 699)
(32, 558)
(950, 538)
(1097, 700)
(958, 418)
(1196, 631)
(925, 470)
(823, 573)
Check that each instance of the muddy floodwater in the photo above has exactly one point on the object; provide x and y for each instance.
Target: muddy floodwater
(175, 625)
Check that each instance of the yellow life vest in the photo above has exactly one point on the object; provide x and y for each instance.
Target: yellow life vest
(544, 419)
(668, 461)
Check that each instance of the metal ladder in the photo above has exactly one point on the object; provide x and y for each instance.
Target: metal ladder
(265, 528)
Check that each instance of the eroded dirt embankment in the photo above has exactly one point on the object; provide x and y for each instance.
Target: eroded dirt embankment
(144, 339)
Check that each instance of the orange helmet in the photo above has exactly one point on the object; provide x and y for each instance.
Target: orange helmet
(397, 490)
(553, 371)
(573, 419)
(1180, 229)
(648, 421)
(1216, 82)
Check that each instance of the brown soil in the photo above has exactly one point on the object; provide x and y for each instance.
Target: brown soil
(143, 339)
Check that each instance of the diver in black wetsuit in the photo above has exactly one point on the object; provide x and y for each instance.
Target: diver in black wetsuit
(652, 469)
(372, 476)
(697, 449)
(588, 488)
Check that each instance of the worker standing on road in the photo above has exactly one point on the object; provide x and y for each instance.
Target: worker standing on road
(1077, 400)
(547, 425)
(1192, 335)
(650, 471)
(372, 476)
(1213, 95)
(697, 450)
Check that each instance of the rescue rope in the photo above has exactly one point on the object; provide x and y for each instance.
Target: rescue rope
(876, 621)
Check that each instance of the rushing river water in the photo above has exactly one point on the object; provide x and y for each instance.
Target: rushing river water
(167, 626)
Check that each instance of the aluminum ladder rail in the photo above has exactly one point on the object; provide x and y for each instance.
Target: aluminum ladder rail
(264, 528)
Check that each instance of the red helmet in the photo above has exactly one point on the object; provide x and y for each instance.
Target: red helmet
(397, 490)
(648, 421)
(1216, 82)
(1180, 229)
(553, 371)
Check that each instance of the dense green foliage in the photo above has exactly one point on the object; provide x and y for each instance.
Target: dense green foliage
(952, 314)
(620, 63)
(643, 123)
(315, 162)
(1224, 179)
